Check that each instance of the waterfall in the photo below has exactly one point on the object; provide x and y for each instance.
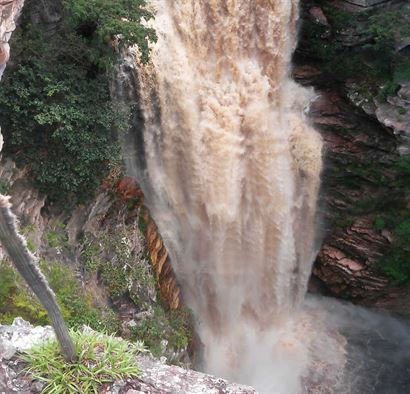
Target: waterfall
(231, 172)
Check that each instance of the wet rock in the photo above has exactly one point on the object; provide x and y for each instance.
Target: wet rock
(305, 74)
(169, 288)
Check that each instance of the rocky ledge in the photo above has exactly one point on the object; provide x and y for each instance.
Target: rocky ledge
(9, 11)
(156, 377)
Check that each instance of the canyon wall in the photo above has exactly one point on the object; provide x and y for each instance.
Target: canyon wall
(365, 193)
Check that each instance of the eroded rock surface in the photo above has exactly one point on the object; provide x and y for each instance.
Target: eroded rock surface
(9, 13)
(364, 193)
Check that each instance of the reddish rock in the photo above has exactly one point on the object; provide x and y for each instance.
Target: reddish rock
(128, 189)
(318, 16)
(4, 53)
(9, 13)
(305, 73)
(169, 289)
(345, 264)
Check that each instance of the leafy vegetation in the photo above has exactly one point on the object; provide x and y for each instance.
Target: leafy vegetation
(56, 112)
(4, 187)
(396, 262)
(118, 270)
(360, 44)
(171, 326)
(102, 359)
(379, 224)
(76, 303)
(102, 20)
(123, 275)
(396, 265)
(55, 236)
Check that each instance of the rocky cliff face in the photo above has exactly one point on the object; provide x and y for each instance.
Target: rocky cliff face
(9, 13)
(362, 113)
(125, 92)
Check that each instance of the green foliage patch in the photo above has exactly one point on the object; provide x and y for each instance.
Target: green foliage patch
(118, 268)
(373, 57)
(76, 303)
(101, 359)
(396, 262)
(105, 19)
(172, 326)
(123, 275)
(56, 112)
(4, 187)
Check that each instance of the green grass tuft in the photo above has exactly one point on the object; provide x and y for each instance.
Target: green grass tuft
(101, 359)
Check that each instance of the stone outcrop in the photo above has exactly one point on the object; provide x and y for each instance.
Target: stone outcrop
(161, 263)
(156, 377)
(9, 12)
(364, 139)
(393, 113)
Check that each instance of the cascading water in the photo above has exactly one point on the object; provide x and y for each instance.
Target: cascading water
(231, 172)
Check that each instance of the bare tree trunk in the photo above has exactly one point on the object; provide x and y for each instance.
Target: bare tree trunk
(14, 244)
(26, 264)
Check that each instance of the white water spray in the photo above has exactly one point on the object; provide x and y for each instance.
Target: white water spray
(231, 176)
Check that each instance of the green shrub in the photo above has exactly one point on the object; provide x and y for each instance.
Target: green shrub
(57, 119)
(76, 303)
(396, 262)
(396, 266)
(142, 224)
(402, 231)
(388, 89)
(102, 359)
(90, 255)
(4, 187)
(105, 19)
(172, 326)
(115, 278)
(379, 224)
(56, 111)
(402, 72)
(7, 283)
(17, 301)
